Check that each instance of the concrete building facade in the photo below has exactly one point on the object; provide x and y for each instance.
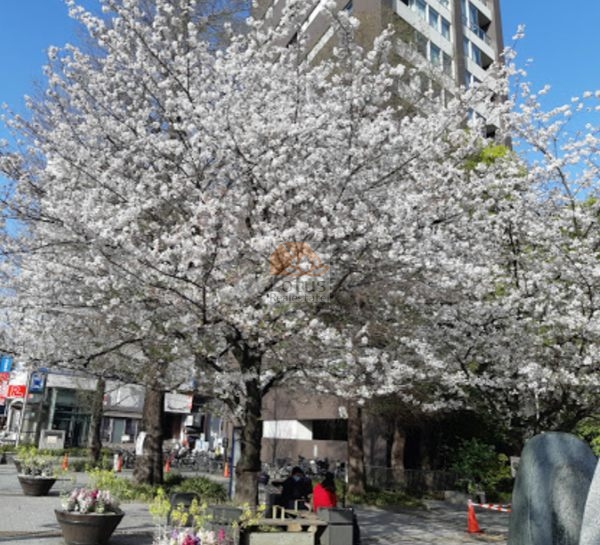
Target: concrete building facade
(450, 44)
(61, 401)
(301, 424)
(461, 38)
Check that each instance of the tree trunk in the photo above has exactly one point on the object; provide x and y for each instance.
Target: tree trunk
(95, 438)
(149, 467)
(248, 467)
(356, 462)
(397, 452)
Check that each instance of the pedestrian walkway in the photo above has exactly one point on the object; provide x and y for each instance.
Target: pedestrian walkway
(26, 520)
(439, 524)
(29, 520)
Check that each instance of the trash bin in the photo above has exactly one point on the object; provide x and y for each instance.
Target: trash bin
(184, 499)
(222, 518)
(340, 527)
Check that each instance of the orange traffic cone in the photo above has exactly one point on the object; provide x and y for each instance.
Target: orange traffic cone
(65, 463)
(226, 470)
(167, 468)
(472, 524)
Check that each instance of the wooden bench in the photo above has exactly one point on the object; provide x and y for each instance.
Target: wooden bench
(287, 522)
(293, 521)
(297, 516)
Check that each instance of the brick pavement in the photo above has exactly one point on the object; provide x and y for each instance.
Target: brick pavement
(26, 520)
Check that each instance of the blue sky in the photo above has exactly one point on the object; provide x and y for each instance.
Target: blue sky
(562, 40)
(563, 43)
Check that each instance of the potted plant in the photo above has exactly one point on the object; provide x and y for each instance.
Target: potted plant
(185, 525)
(36, 472)
(89, 516)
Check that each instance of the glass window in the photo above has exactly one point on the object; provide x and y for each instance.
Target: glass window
(476, 54)
(420, 7)
(467, 48)
(445, 29)
(330, 430)
(434, 19)
(421, 43)
(447, 64)
(473, 16)
(468, 77)
(435, 55)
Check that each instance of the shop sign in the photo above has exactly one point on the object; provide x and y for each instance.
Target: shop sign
(37, 382)
(178, 403)
(16, 391)
(5, 364)
(4, 378)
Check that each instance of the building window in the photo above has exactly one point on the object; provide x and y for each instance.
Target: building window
(435, 55)
(421, 8)
(446, 64)
(421, 43)
(348, 6)
(470, 79)
(475, 21)
(472, 51)
(330, 430)
(445, 29)
(476, 54)
(434, 19)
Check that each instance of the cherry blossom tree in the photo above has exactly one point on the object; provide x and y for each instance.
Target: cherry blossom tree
(255, 220)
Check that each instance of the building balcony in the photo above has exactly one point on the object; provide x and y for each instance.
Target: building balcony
(478, 31)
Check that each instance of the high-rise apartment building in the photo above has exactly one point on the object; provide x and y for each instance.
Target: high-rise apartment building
(461, 38)
(450, 43)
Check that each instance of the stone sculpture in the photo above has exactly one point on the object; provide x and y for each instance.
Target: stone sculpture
(551, 490)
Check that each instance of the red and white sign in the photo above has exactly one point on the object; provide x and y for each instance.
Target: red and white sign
(4, 378)
(16, 390)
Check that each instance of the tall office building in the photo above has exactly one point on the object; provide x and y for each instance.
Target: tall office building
(461, 38)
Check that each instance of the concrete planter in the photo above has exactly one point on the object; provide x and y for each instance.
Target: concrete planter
(278, 538)
(87, 528)
(36, 486)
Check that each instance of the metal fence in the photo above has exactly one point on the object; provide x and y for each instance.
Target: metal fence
(414, 481)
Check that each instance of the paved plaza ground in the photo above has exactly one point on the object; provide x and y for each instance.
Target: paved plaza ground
(26, 520)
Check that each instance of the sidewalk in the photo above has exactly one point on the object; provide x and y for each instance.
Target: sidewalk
(27, 520)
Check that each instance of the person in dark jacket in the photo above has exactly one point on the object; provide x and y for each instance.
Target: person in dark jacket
(296, 491)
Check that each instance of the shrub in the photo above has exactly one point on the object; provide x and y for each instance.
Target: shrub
(208, 490)
(127, 490)
(589, 430)
(386, 498)
(478, 466)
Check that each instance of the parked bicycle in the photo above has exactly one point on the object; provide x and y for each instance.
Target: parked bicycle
(127, 457)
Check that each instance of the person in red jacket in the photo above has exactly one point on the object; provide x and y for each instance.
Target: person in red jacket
(324, 493)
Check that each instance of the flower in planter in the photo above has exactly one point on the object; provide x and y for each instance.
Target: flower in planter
(90, 500)
(172, 524)
(33, 464)
(189, 536)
